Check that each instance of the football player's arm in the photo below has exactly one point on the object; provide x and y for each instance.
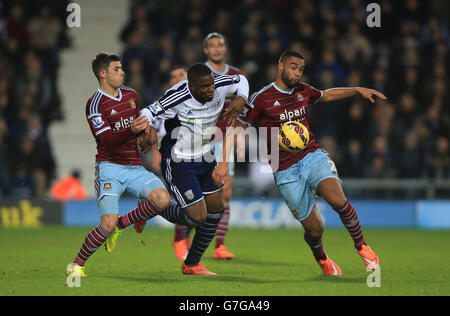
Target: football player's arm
(102, 131)
(335, 94)
(235, 108)
(148, 140)
(236, 131)
(153, 112)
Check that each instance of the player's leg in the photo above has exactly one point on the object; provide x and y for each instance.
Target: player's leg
(221, 252)
(108, 190)
(151, 194)
(181, 241)
(109, 209)
(204, 234)
(331, 190)
(152, 197)
(300, 198)
(313, 236)
(155, 202)
(188, 207)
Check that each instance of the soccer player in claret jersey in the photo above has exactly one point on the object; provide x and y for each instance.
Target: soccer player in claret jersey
(302, 175)
(215, 49)
(113, 116)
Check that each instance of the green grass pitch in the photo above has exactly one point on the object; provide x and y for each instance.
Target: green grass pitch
(268, 262)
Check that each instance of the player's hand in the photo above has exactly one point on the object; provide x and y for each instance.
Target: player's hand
(148, 140)
(139, 125)
(220, 173)
(234, 109)
(369, 93)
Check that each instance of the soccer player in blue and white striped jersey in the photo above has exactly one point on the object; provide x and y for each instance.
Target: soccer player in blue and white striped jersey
(191, 109)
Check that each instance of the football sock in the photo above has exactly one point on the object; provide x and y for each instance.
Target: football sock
(187, 231)
(350, 220)
(179, 232)
(94, 239)
(204, 234)
(223, 227)
(145, 210)
(174, 213)
(316, 246)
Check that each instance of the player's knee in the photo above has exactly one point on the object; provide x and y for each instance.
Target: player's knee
(338, 202)
(109, 223)
(316, 231)
(160, 197)
(199, 216)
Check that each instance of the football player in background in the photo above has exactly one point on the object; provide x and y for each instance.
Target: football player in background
(301, 175)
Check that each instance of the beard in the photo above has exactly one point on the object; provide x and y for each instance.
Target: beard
(288, 82)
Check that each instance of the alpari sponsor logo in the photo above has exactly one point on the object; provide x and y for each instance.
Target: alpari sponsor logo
(123, 123)
(289, 115)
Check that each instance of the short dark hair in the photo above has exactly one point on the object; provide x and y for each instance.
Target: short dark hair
(198, 70)
(178, 66)
(102, 61)
(290, 53)
(213, 35)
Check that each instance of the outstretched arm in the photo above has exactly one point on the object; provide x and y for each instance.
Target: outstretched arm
(343, 93)
(221, 171)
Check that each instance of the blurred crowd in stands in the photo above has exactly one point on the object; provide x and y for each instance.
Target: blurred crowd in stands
(32, 35)
(407, 59)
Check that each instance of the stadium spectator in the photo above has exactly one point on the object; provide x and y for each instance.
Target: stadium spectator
(4, 163)
(410, 160)
(439, 165)
(353, 160)
(31, 37)
(69, 188)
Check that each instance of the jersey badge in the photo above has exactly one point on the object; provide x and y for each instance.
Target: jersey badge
(97, 122)
(189, 194)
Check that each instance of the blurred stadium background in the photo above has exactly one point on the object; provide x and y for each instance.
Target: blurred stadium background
(393, 156)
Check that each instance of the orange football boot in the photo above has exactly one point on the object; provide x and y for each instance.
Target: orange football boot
(369, 257)
(196, 270)
(222, 253)
(181, 248)
(329, 267)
